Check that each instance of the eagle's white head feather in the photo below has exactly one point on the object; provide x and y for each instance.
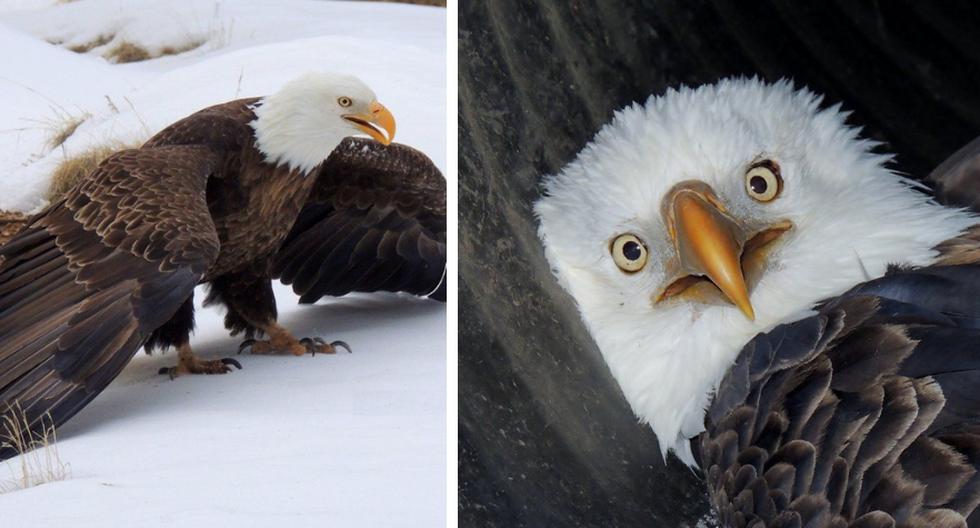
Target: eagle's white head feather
(301, 124)
(850, 215)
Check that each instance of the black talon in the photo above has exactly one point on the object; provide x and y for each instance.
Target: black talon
(342, 345)
(245, 344)
(169, 371)
(164, 370)
(232, 361)
(319, 341)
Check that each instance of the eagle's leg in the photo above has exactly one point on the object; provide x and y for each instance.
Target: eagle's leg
(251, 307)
(176, 333)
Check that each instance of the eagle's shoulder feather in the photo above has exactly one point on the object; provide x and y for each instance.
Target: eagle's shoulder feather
(223, 128)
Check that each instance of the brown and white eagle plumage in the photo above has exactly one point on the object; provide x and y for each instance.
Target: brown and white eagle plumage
(866, 414)
(113, 265)
(783, 310)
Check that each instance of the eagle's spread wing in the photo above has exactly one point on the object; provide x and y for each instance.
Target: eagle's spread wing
(87, 280)
(376, 221)
(866, 414)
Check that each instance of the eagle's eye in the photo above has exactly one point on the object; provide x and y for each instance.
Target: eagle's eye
(629, 253)
(762, 181)
(344, 101)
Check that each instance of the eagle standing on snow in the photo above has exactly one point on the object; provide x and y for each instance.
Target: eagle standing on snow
(782, 309)
(234, 195)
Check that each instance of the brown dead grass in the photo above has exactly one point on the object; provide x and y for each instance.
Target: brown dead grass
(62, 128)
(126, 51)
(11, 223)
(72, 169)
(39, 461)
(182, 48)
(101, 40)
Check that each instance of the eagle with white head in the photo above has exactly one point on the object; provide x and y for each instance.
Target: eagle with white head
(233, 196)
(767, 292)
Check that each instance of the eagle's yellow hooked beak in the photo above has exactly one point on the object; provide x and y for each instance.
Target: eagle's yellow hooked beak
(378, 123)
(708, 241)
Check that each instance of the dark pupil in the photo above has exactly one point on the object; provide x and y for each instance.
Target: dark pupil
(758, 184)
(632, 251)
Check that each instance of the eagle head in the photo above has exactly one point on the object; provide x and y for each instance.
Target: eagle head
(704, 216)
(302, 123)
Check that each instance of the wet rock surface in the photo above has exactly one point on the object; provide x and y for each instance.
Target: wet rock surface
(546, 437)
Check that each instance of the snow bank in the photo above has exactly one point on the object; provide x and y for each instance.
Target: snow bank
(252, 48)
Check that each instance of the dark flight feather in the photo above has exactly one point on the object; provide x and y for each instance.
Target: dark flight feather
(88, 279)
(375, 221)
(866, 414)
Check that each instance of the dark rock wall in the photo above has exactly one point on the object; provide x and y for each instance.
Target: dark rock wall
(546, 438)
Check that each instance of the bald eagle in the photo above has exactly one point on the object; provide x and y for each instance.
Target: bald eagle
(233, 196)
(783, 310)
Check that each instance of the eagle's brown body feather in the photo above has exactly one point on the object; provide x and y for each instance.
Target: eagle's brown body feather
(253, 204)
(113, 265)
(867, 414)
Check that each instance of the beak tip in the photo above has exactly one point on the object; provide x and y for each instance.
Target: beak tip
(379, 123)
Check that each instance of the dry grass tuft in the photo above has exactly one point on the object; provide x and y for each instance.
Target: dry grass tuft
(101, 40)
(126, 51)
(72, 169)
(63, 127)
(10, 223)
(39, 461)
(182, 48)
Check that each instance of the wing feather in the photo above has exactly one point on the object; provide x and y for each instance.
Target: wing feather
(88, 279)
(376, 221)
(865, 414)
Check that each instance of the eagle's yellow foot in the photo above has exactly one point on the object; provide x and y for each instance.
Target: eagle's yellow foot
(188, 363)
(282, 342)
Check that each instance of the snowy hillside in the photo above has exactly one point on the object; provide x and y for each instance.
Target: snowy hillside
(344, 440)
(248, 48)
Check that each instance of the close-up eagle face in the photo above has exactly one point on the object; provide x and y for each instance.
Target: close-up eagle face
(702, 217)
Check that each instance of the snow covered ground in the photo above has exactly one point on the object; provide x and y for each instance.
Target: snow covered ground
(345, 440)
